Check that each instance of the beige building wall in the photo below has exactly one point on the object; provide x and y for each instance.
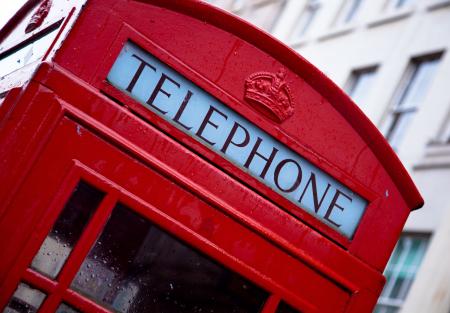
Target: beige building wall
(386, 35)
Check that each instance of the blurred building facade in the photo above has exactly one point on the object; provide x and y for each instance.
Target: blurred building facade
(391, 57)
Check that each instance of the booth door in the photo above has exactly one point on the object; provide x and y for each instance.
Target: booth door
(94, 228)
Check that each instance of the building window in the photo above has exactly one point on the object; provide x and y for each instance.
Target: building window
(393, 5)
(443, 135)
(237, 5)
(305, 19)
(446, 132)
(410, 94)
(349, 11)
(262, 13)
(400, 272)
(359, 84)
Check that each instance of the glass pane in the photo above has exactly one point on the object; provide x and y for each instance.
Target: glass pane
(283, 307)
(400, 271)
(398, 127)
(305, 20)
(64, 308)
(25, 300)
(396, 254)
(397, 285)
(350, 9)
(67, 230)
(136, 267)
(410, 98)
(361, 82)
(403, 3)
(264, 15)
(388, 275)
(419, 82)
(385, 309)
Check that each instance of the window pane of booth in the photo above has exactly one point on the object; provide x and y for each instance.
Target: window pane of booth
(67, 230)
(64, 308)
(136, 267)
(25, 300)
(283, 307)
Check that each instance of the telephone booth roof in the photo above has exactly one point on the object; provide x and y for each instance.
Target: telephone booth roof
(326, 127)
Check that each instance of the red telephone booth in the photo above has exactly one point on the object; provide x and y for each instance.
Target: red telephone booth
(165, 156)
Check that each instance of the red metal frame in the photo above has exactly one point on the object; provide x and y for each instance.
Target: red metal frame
(70, 100)
(127, 33)
(216, 244)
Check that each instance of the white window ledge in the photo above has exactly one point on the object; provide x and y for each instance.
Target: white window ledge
(336, 32)
(438, 4)
(297, 43)
(391, 17)
(437, 156)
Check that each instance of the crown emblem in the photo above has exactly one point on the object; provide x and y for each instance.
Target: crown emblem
(270, 94)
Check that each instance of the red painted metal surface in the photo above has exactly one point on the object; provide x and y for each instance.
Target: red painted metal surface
(68, 122)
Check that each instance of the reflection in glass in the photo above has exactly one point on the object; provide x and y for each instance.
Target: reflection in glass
(283, 307)
(136, 267)
(67, 230)
(64, 308)
(25, 300)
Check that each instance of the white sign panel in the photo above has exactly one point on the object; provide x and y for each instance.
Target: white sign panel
(194, 111)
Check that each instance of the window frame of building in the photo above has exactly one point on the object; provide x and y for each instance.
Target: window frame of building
(304, 21)
(443, 135)
(348, 12)
(395, 123)
(446, 133)
(237, 5)
(402, 254)
(396, 5)
(355, 79)
(248, 10)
